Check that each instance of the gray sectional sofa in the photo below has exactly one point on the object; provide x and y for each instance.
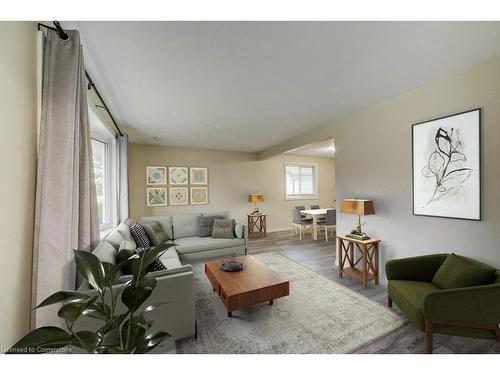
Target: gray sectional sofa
(176, 283)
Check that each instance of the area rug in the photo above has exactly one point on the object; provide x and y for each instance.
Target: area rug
(319, 316)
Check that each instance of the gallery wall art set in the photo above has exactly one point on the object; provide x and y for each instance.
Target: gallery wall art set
(186, 185)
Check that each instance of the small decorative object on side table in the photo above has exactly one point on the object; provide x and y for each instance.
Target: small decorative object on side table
(360, 207)
(256, 225)
(368, 256)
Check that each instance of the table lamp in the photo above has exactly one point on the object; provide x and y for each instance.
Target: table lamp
(254, 198)
(360, 207)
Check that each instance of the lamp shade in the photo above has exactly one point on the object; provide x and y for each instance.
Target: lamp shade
(254, 198)
(360, 207)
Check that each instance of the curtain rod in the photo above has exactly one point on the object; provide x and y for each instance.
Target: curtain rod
(64, 36)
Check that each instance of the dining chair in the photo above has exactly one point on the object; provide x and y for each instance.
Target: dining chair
(300, 208)
(315, 207)
(330, 222)
(299, 223)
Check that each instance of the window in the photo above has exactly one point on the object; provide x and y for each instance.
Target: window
(104, 159)
(99, 154)
(301, 181)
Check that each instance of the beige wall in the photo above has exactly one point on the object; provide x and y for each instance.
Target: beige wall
(18, 170)
(232, 176)
(379, 140)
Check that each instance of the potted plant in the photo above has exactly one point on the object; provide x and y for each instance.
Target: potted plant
(126, 332)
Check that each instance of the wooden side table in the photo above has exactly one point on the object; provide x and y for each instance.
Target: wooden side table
(256, 225)
(368, 256)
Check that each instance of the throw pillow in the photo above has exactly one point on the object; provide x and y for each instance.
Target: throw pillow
(140, 236)
(457, 272)
(157, 265)
(223, 228)
(239, 230)
(206, 224)
(155, 232)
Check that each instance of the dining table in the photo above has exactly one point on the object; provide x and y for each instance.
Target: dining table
(315, 214)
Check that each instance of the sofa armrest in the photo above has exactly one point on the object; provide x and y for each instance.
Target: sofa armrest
(478, 304)
(421, 268)
(185, 268)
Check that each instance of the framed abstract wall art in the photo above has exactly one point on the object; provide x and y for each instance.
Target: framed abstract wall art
(156, 175)
(178, 196)
(156, 197)
(446, 155)
(198, 195)
(198, 176)
(178, 175)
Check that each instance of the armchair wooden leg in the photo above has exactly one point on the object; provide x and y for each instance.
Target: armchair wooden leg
(428, 336)
(389, 302)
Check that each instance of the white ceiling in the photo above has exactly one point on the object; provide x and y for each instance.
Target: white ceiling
(324, 149)
(249, 85)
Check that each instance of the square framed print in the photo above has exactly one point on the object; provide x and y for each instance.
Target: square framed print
(198, 175)
(198, 195)
(177, 175)
(446, 155)
(178, 196)
(156, 175)
(156, 197)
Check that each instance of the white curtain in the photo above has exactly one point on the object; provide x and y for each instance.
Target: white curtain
(66, 209)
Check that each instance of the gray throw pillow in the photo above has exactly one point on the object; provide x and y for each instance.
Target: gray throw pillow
(223, 228)
(206, 224)
(155, 232)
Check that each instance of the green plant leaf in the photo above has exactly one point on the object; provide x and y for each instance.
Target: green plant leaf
(150, 342)
(73, 310)
(113, 323)
(90, 268)
(132, 333)
(154, 306)
(63, 296)
(43, 338)
(111, 338)
(98, 310)
(135, 295)
(145, 258)
(89, 339)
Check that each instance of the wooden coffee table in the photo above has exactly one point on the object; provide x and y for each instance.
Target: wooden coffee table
(255, 283)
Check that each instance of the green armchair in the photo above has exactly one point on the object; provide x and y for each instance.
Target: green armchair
(446, 293)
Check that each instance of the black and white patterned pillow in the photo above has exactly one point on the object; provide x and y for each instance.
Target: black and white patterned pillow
(140, 236)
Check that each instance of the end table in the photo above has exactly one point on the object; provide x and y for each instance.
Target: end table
(256, 225)
(368, 256)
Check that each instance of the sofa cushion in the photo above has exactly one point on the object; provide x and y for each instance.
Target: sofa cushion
(458, 272)
(165, 223)
(206, 225)
(196, 244)
(140, 236)
(170, 259)
(127, 245)
(105, 252)
(223, 228)
(185, 225)
(124, 230)
(115, 238)
(409, 297)
(155, 232)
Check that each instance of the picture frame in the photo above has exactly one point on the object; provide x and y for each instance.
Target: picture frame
(198, 195)
(178, 196)
(156, 175)
(178, 176)
(446, 166)
(156, 197)
(198, 175)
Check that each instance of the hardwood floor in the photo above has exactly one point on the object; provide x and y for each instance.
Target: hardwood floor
(319, 256)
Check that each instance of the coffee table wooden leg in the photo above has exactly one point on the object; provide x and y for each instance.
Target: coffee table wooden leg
(271, 302)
